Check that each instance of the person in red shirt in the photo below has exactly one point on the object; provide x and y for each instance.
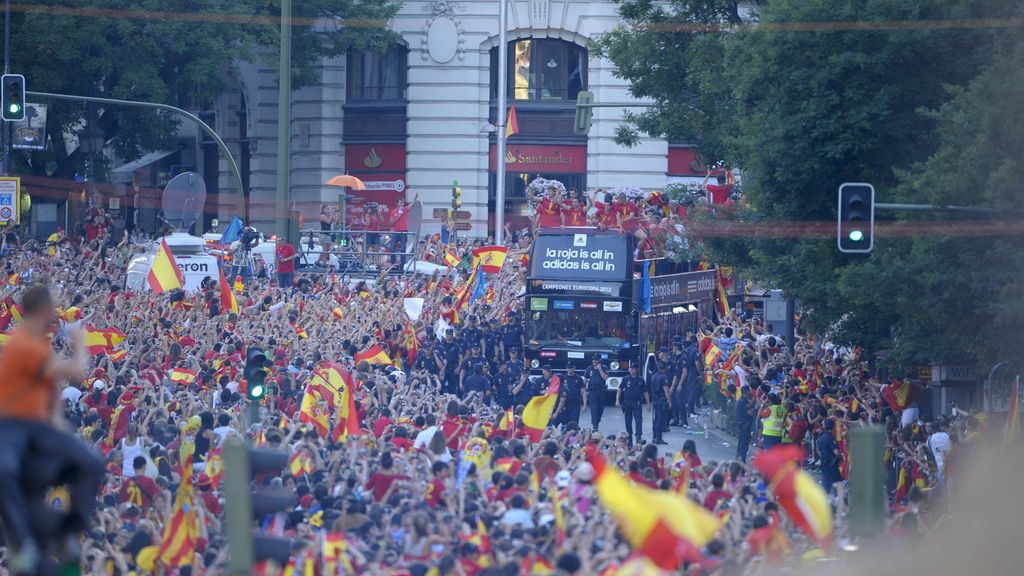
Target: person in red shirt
(381, 481)
(767, 540)
(549, 212)
(139, 489)
(381, 423)
(210, 500)
(434, 494)
(606, 217)
(285, 263)
(718, 493)
(398, 221)
(574, 212)
(718, 193)
(401, 439)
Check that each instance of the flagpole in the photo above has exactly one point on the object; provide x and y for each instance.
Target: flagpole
(502, 119)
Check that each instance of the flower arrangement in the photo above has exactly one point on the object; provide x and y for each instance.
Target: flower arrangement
(685, 194)
(632, 193)
(541, 187)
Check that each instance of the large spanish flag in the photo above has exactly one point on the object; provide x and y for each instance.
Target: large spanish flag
(182, 376)
(228, 303)
(537, 413)
(491, 258)
(313, 411)
(374, 355)
(347, 422)
(897, 394)
(164, 275)
(796, 491)
(711, 355)
(99, 341)
(181, 532)
(662, 525)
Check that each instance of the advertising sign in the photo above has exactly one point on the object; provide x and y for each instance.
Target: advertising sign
(30, 133)
(580, 257)
(10, 205)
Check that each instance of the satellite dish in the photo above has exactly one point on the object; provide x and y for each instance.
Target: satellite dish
(183, 200)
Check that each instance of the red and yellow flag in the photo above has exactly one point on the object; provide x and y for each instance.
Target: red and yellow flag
(666, 527)
(537, 413)
(215, 466)
(491, 258)
(99, 341)
(300, 331)
(373, 355)
(711, 355)
(511, 123)
(347, 422)
(182, 376)
(796, 491)
(313, 411)
(897, 394)
(228, 302)
(181, 532)
(721, 298)
(164, 275)
(451, 260)
(301, 463)
(412, 343)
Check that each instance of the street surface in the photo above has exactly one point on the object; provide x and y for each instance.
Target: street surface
(717, 446)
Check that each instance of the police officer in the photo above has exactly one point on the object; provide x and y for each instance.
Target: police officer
(661, 392)
(596, 377)
(451, 351)
(512, 335)
(668, 369)
(680, 383)
(632, 396)
(504, 382)
(570, 399)
(695, 363)
(469, 362)
(471, 333)
(477, 382)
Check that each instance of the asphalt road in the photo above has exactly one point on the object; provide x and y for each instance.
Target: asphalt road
(717, 446)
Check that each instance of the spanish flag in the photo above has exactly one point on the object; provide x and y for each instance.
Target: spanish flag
(215, 466)
(313, 411)
(451, 260)
(164, 275)
(511, 123)
(181, 532)
(182, 376)
(506, 425)
(1013, 416)
(721, 298)
(347, 423)
(664, 526)
(711, 355)
(412, 343)
(537, 413)
(300, 331)
(99, 341)
(491, 258)
(336, 558)
(14, 279)
(374, 355)
(228, 303)
(796, 491)
(301, 463)
(897, 394)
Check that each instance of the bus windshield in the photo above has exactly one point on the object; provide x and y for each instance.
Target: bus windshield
(590, 328)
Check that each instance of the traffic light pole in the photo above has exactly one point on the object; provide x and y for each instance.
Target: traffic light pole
(284, 127)
(936, 208)
(499, 184)
(154, 105)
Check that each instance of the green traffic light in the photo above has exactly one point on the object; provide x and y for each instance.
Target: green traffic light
(257, 391)
(856, 235)
(14, 108)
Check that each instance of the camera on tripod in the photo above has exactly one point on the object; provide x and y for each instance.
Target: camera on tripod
(249, 238)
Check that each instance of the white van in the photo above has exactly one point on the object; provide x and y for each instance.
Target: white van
(189, 252)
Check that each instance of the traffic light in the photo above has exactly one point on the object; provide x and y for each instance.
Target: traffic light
(12, 92)
(242, 505)
(456, 196)
(856, 226)
(255, 373)
(584, 113)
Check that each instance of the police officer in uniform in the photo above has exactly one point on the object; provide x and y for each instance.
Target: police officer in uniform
(452, 353)
(695, 363)
(596, 377)
(680, 384)
(632, 396)
(477, 382)
(504, 382)
(469, 363)
(570, 399)
(661, 392)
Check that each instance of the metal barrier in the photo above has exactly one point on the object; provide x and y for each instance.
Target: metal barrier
(354, 252)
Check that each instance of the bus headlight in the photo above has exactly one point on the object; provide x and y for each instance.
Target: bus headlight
(535, 363)
(614, 365)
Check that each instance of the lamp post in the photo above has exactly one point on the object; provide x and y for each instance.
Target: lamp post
(91, 142)
(499, 185)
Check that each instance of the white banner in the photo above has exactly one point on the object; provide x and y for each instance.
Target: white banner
(413, 308)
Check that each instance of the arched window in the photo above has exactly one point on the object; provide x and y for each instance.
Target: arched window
(374, 76)
(542, 69)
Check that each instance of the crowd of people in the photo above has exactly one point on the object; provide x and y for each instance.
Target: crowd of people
(440, 477)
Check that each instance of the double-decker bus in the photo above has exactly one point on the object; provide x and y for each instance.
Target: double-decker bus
(580, 302)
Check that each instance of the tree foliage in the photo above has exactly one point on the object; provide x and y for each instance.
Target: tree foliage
(817, 93)
(178, 52)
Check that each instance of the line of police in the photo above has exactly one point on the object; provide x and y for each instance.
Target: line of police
(487, 360)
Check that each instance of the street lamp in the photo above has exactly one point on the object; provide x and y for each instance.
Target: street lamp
(91, 141)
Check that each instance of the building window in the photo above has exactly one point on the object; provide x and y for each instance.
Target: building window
(376, 76)
(542, 69)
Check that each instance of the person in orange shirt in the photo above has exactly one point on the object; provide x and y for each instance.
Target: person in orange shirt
(33, 446)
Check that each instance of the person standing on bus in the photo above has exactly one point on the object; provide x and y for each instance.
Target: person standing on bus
(695, 374)
(632, 396)
(570, 399)
(680, 384)
(596, 377)
(661, 392)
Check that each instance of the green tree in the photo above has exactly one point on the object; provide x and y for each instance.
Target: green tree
(176, 52)
(821, 92)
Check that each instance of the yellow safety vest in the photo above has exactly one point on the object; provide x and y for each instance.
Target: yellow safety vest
(772, 425)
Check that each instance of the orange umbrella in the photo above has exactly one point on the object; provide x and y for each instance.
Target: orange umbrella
(346, 180)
